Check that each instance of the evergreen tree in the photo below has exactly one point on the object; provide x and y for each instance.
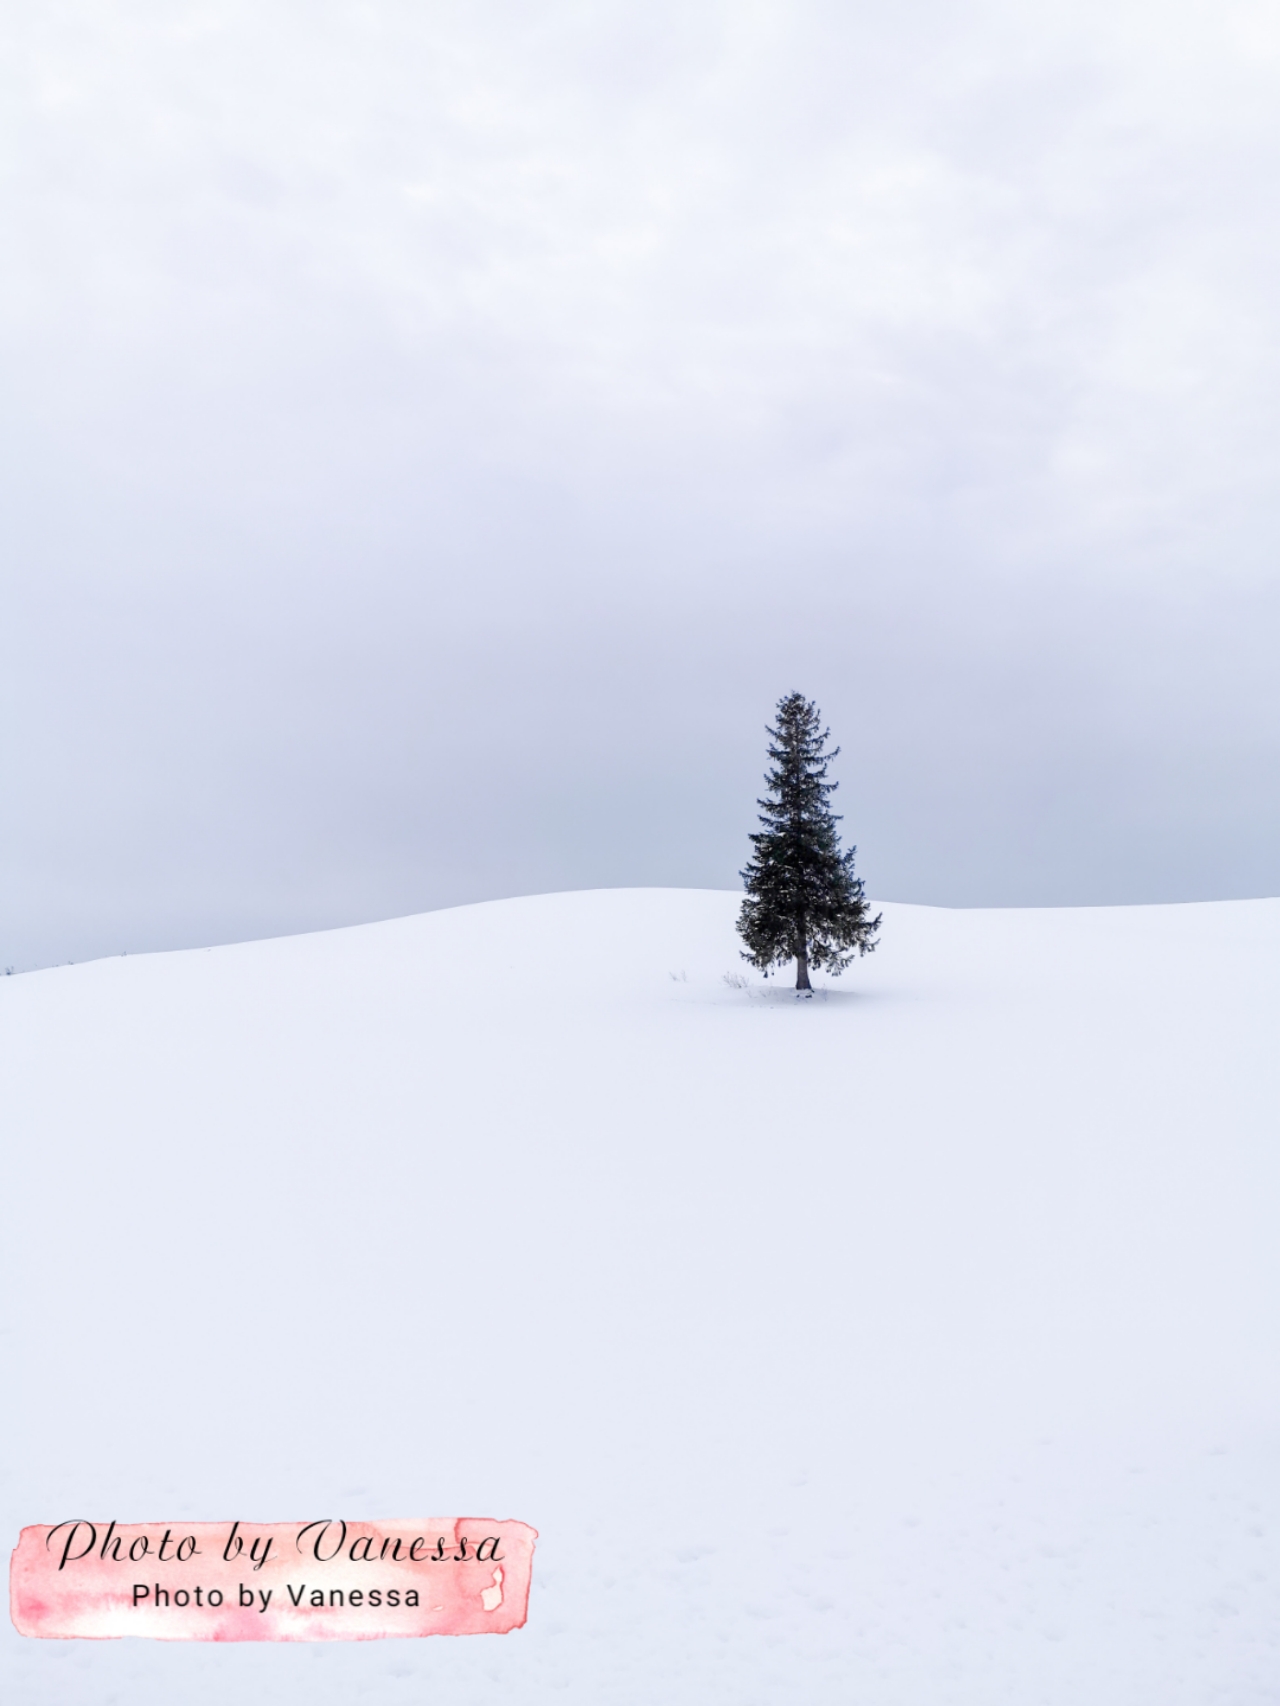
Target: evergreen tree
(803, 901)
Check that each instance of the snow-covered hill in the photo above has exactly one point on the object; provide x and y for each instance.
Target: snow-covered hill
(916, 1345)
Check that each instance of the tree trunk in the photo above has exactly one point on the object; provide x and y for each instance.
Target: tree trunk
(802, 967)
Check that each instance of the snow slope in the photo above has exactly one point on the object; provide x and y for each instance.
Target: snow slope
(912, 1346)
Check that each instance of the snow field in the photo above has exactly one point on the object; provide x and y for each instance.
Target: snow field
(912, 1346)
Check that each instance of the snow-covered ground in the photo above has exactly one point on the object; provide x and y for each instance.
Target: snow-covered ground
(915, 1345)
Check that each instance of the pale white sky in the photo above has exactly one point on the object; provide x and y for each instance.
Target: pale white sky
(435, 435)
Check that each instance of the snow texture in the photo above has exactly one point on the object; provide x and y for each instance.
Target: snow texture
(911, 1346)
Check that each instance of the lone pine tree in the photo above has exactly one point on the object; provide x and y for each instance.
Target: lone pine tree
(803, 901)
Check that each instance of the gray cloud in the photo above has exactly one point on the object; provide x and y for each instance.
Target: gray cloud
(436, 434)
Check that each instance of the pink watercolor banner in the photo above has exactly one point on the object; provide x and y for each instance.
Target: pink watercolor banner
(279, 1581)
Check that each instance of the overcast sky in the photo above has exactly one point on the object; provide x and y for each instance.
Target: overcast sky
(435, 435)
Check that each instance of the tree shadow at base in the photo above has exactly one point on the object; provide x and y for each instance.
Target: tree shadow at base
(783, 997)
